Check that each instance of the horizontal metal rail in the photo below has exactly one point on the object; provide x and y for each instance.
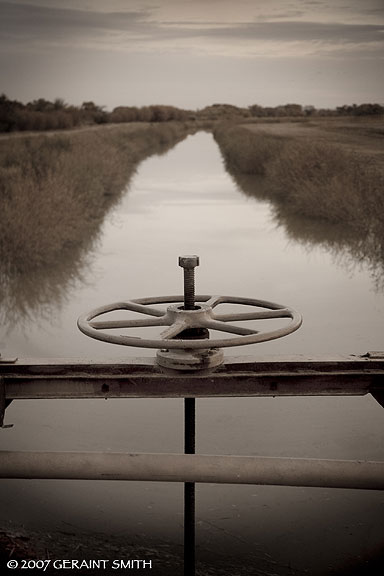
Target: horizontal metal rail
(353, 474)
(241, 376)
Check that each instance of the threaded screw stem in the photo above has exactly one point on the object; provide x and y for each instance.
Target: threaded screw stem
(189, 288)
(188, 263)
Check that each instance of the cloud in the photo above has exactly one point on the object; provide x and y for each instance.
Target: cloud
(27, 21)
(284, 31)
(39, 27)
(147, 53)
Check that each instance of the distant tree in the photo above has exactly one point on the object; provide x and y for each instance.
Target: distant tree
(309, 110)
(41, 105)
(124, 114)
(257, 111)
(90, 106)
(360, 110)
(9, 110)
(326, 112)
(369, 109)
(145, 114)
(291, 109)
(159, 113)
(223, 111)
(92, 113)
(59, 104)
(269, 111)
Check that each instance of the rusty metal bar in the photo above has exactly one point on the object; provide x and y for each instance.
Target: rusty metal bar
(241, 376)
(352, 474)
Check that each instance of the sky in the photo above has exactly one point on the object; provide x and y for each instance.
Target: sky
(193, 53)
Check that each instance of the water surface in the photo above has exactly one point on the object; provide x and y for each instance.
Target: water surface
(180, 203)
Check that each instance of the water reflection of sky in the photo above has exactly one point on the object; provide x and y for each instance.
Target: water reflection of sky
(184, 203)
(187, 204)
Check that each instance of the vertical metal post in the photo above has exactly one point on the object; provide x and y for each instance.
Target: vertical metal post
(188, 263)
(189, 490)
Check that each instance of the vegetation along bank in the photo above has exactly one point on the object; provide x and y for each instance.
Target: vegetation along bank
(310, 172)
(317, 175)
(55, 191)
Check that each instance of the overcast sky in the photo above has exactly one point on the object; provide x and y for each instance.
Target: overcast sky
(192, 53)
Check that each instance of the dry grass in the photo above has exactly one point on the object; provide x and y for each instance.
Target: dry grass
(246, 153)
(54, 194)
(315, 179)
(332, 174)
(323, 181)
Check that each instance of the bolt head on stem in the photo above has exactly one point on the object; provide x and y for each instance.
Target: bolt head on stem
(190, 261)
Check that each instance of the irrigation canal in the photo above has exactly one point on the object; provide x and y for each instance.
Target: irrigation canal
(180, 203)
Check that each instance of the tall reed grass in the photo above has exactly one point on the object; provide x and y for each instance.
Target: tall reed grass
(54, 194)
(245, 153)
(317, 181)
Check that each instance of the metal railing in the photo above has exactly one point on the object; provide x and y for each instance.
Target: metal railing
(143, 378)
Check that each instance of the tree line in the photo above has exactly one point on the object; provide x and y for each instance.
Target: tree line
(42, 114)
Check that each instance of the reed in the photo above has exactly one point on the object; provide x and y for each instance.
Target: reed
(55, 191)
(245, 153)
(317, 180)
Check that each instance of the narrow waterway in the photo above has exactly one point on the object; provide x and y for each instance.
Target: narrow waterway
(185, 202)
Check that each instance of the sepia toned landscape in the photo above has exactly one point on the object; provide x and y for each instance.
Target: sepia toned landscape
(326, 171)
(169, 172)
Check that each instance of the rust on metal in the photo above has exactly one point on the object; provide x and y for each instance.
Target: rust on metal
(241, 376)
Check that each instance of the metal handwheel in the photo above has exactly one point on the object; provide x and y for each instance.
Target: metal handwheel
(185, 344)
(176, 319)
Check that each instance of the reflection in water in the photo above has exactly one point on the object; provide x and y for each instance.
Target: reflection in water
(350, 248)
(347, 247)
(55, 194)
(24, 297)
(184, 202)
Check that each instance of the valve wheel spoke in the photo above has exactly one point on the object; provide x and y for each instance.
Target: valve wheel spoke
(173, 330)
(257, 315)
(224, 327)
(143, 309)
(215, 301)
(134, 323)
